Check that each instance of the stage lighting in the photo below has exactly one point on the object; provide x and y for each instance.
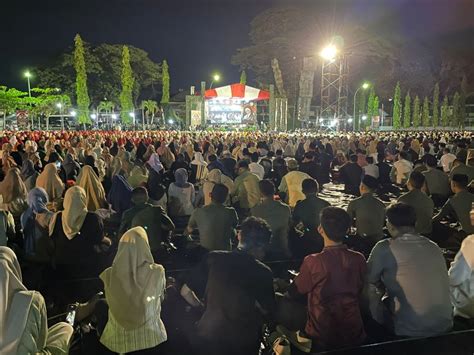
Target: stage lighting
(329, 52)
(364, 118)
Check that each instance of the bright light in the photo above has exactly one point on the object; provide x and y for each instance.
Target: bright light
(216, 77)
(59, 105)
(364, 118)
(329, 52)
(132, 114)
(365, 86)
(170, 121)
(114, 116)
(333, 123)
(93, 116)
(27, 74)
(349, 120)
(73, 113)
(390, 99)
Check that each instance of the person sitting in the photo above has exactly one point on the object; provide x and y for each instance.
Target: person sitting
(214, 177)
(134, 289)
(13, 193)
(307, 212)
(384, 170)
(351, 175)
(333, 281)
(214, 164)
(277, 214)
(401, 169)
(216, 223)
(291, 182)
(23, 319)
(95, 192)
(255, 167)
(246, 192)
(309, 166)
(371, 169)
(120, 195)
(437, 182)
(153, 218)
(459, 168)
(422, 204)
(138, 176)
(411, 272)
(179, 163)
(447, 160)
(238, 290)
(198, 168)
(29, 174)
(181, 196)
(50, 181)
(368, 212)
(229, 164)
(458, 205)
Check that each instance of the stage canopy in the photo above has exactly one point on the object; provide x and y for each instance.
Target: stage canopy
(237, 91)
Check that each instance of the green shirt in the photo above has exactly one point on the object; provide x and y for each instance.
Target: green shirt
(459, 206)
(216, 224)
(369, 215)
(246, 190)
(277, 215)
(423, 206)
(463, 169)
(307, 211)
(437, 182)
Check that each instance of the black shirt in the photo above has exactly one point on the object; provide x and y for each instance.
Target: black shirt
(311, 168)
(351, 175)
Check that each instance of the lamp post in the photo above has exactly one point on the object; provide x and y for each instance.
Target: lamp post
(215, 78)
(60, 107)
(357, 123)
(28, 76)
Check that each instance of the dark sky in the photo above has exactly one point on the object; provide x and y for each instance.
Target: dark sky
(196, 37)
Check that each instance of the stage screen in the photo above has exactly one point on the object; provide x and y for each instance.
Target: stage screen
(230, 112)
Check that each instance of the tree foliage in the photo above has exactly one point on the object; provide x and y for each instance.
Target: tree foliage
(126, 99)
(397, 107)
(456, 117)
(462, 100)
(243, 77)
(106, 106)
(416, 112)
(426, 113)
(407, 111)
(445, 112)
(370, 102)
(150, 107)
(165, 97)
(436, 105)
(82, 95)
(12, 99)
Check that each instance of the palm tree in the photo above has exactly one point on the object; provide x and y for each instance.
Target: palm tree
(150, 106)
(107, 107)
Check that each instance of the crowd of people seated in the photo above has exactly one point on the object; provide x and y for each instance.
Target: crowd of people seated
(115, 206)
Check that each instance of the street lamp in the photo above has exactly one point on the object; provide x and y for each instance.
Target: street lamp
(364, 86)
(364, 117)
(28, 76)
(215, 78)
(329, 52)
(93, 116)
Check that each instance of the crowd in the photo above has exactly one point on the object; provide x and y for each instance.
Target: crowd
(111, 205)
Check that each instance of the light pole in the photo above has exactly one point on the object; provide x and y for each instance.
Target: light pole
(356, 121)
(215, 78)
(60, 107)
(28, 76)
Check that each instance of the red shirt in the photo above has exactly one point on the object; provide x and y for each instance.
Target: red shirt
(333, 281)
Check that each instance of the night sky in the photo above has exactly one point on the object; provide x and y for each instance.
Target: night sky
(196, 37)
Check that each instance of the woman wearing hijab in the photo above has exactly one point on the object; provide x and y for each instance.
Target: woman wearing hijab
(75, 231)
(134, 289)
(95, 192)
(214, 177)
(35, 226)
(138, 176)
(29, 174)
(70, 168)
(181, 197)
(23, 318)
(13, 193)
(51, 182)
(120, 194)
(198, 168)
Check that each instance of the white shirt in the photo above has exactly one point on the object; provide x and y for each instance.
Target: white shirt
(257, 169)
(447, 161)
(404, 169)
(372, 170)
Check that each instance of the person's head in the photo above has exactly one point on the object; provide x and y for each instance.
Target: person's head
(219, 193)
(279, 152)
(446, 150)
(267, 188)
(370, 160)
(353, 158)
(212, 158)
(401, 219)
(334, 224)
(242, 166)
(254, 157)
(430, 161)
(381, 157)
(403, 155)
(254, 236)
(292, 164)
(310, 187)
(308, 156)
(180, 157)
(139, 195)
(53, 157)
(368, 184)
(270, 154)
(416, 181)
(456, 162)
(181, 177)
(459, 182)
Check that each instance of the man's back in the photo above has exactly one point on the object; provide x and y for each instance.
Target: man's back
(423, 206)
(461, 203)
(351, 175)
(413, 271)
(463, 169)
(247, 190)
(437, 182)
(291, 185)
(311, 168)
(308, 211)
(369, 214)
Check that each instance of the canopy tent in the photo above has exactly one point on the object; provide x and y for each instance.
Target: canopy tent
(237, 91)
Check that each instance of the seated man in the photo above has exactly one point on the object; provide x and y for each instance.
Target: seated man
(255, 167)
(216, 223)
(246, 193)
(291, 183)
(307, 212)
(238, 290)
(459, 168)
(367, 211)
(422, 204)
(152, 218)
(351, 175)
(333, 281)
(401, 169)
(408, 272)
(459, 205)
(277, 214)
(437, 182)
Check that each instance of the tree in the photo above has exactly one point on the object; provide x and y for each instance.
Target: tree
(243, 77)
(12, 99)
(360, 108)
(150, 107)
(436, 105)
(375, 107)
(397, 107)
(82, 95)
(407, 111)
(426, 113)
(165, 98)
(462, 101)
(370, 103)
(456, 118)
(416, 112)
(445, 112)
(126, 100)
(106, 106)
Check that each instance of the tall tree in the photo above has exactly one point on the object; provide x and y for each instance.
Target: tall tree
(426, 113)
(416, 112)
(445, 112)
(126, 100)
(370, 103)
(375, 107)
(165, 98)
(397, 107)
(82, 95)
(361, 108)
(243, 77)
(436, 105)
(150, 107)
(462, 99)
(456, 118)
(407, 111)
